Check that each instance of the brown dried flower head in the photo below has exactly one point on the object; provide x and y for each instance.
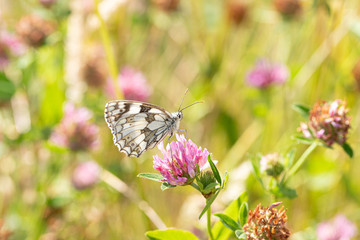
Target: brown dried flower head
(94, 72)
(34, 30)
(328, 121)
(237, 11)
(288, 8)
(4, 234)
(356, 74)
(47, 3)
(167, 5)
(267, 223)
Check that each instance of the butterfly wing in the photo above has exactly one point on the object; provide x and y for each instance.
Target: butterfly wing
(137, 126)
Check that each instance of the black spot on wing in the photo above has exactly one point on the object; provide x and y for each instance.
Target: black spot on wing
(124, 108)
(144, 109)
(150, 117)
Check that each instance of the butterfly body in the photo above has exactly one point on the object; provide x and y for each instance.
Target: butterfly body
(139, 126)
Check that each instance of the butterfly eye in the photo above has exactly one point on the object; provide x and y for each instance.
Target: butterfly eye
(180, 115)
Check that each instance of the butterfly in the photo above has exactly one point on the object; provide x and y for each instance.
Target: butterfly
(139, 126)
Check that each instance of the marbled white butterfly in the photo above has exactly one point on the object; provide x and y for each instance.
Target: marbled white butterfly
(139, 126)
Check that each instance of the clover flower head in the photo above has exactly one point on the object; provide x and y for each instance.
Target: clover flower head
(34, 30)
(328, 121)
(267, 223)
(237, 11)
(85, 175)
(340, 228)
(133, 85)
(288, 8)
(181, 161)
(47, 3)
(265, 74)
(10, 45)
(167, 5)
(75, 130)
(271, 164)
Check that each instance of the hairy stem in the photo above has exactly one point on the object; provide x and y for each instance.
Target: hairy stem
(208, 217)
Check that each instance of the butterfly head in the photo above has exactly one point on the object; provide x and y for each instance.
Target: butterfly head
(179, 115)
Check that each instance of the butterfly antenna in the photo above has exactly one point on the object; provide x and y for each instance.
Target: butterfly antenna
(183, 99)
(191, 105)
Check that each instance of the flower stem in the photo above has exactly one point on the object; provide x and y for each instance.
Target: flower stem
(208, 217)
(110, 58)
(195, 186)
(302, 159)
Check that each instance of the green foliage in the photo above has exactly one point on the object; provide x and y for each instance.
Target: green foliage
(151, 176)
(219, 230)
(7, 88)
(243, 213)
(214, 170)
(170, 234)
(228, 221)
(303, 110)
(347, 148)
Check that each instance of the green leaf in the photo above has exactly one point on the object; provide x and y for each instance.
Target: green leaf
(240, 235)
(347, 148)
(243, 213)
(152, 176)
(244, 197)
(209, 187)
(166, 185)
(256, 167)
(7, 88)
(228, 221)
(170, 234)
(303, 110)
(208, 204)
(304, 140)
(290, 158)
(283, 191)
(214, 170)
(220, 232)
(226, 178)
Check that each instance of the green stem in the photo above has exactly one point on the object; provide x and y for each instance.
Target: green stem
(110, 58)
(208, 217)
(195, 186)
(302, 159)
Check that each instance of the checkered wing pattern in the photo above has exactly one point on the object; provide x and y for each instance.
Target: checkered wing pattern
(138, 126)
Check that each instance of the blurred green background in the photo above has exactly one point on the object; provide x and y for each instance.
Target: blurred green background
(206, 46)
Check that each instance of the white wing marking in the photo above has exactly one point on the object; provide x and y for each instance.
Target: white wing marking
(156, 125)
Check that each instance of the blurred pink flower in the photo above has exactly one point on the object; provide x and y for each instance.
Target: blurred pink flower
(180, 159)
(340, 228)
(132, 83)
(85, 175)
(328, 121)
(265, 74)
(75, 130)
(10, 45)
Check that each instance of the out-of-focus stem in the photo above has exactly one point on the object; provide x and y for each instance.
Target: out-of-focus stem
(122, 188)
(110, 58)
(302, 159)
